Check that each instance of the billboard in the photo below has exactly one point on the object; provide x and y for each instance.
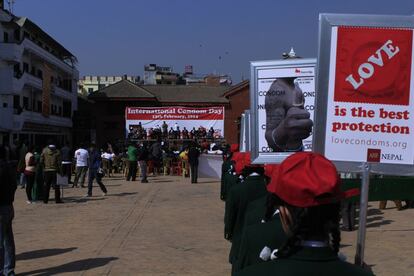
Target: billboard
(366, 73)
(282, 105)
(188, 117)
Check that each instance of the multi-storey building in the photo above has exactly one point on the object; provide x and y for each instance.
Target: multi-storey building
(89, 84)
(154, 74)
(38, 83)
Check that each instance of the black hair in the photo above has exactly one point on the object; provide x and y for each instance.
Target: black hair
(247, 170)
(313, 223)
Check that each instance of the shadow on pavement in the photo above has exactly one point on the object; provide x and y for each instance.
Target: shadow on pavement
(81, 199)
(161, 181)
(75, 266)
(42, 253)
(123, 194)
(377, 224)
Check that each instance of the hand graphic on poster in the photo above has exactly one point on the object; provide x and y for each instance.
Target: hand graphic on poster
(287, 122)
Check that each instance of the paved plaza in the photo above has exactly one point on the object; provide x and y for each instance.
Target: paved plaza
(165, 227)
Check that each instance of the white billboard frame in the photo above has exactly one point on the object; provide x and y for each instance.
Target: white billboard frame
(255, 66)
(326, 23)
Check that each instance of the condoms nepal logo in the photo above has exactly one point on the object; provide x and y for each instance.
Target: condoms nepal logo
(373, 65)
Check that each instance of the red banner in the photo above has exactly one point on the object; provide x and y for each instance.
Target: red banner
(174, 113)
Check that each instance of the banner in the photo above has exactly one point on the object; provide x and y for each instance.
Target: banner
(188, 117)
(370, 96)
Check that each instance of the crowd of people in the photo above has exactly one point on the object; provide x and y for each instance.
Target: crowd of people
(284, 219)
(138, 132)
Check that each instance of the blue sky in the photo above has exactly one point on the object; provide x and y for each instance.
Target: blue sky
(119, 37)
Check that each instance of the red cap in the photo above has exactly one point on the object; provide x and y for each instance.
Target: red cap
(242, 159)
(269, 169)
(307, 179)
(234, 147)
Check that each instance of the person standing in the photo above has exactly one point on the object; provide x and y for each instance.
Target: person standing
(95, 162)
(156, 156)
(30, 173)
(38, 185)
(164, 130)
(193, 155)
(107, 159)
(51, 161)
(21, 151)
(132, 162)
(81, 156)
(142, 160)
(8, 187)
(306, 190)
(65, 153)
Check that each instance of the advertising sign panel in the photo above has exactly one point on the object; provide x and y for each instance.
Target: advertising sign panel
(279, 90)
(188, 117)
(366, 69)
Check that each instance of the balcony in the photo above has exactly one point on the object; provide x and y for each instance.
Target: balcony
(13, 85)
(38, 118)
(6, 118)
(43, 54)
(11, 52)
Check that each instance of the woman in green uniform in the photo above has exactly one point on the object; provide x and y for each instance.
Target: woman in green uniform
(306, 188)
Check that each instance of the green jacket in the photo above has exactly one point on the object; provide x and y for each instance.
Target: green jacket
(255, 211)
(255, 238)
(307, 261)
(230, 180)
(225, 168)
(251, 189)
(50, 159)
(132, 153)
(230, 210)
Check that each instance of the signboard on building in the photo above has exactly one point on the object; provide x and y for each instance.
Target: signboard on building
(279, 89)
(188, 117)
(366, 114)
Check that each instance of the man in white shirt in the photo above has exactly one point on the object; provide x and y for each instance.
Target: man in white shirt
(107, 159)
(81, 156)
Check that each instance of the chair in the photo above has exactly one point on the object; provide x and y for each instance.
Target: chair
(176, 168)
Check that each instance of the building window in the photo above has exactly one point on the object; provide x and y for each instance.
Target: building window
(5, 37)
(16, 104)
(39, 106)
(90, 90)
(26, 103)
(40, 74)
(33, 71)
(67, 109)
(17, 35)
(25, 67)
(16, 70)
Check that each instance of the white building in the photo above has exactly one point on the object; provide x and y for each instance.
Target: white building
(38, 83)
(89, 84)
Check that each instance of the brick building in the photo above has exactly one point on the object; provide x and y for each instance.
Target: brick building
(238, 97)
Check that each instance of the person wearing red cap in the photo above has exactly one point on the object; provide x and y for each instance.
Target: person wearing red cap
(306, 187)
(252, 188)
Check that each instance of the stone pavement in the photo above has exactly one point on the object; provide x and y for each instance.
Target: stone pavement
(165, 227)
